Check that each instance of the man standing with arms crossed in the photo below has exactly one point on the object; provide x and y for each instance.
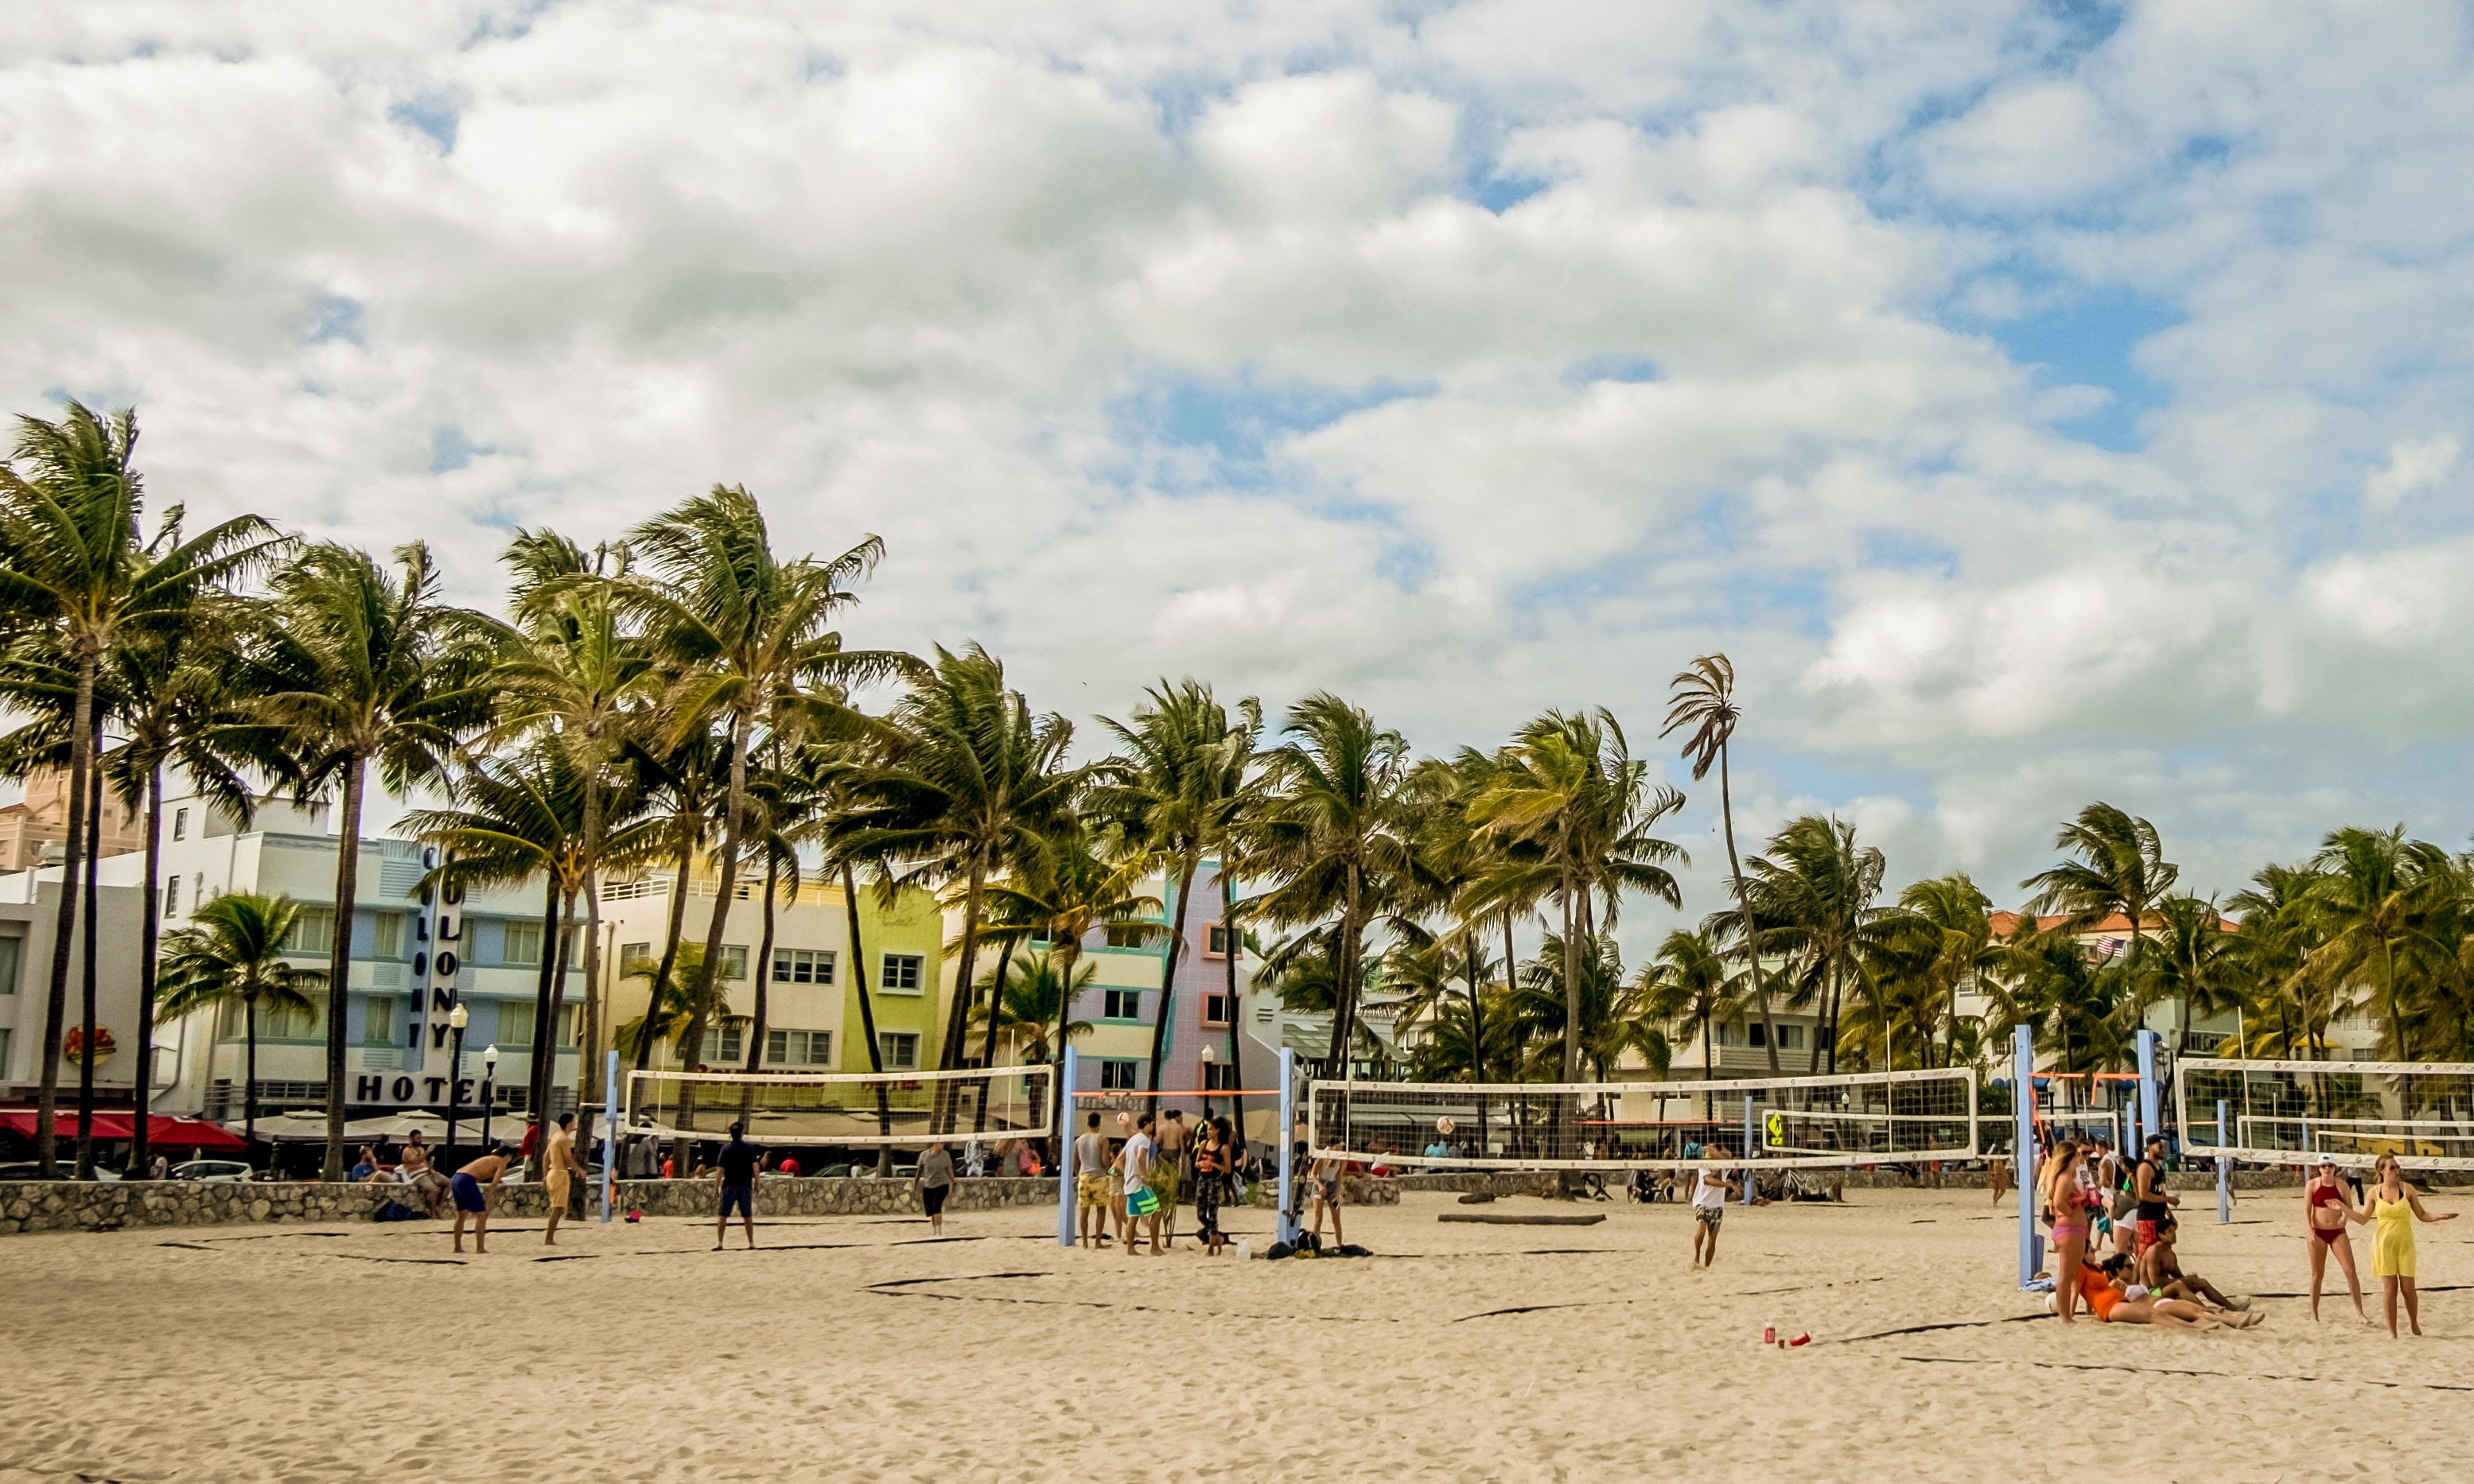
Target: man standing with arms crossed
(736, 1164)
(2155, 1200)
(559, 1170)
(1091, 1182)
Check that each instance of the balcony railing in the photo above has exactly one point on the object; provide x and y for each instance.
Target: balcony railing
(707, 887)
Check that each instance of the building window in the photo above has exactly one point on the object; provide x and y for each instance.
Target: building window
(1729, 1035)
(1790, 1038)
(734, 961)
(171, 903)
(523, 944)
(799, 1049)
(180, 827)
(803, 966)
(1215, 941)
(902, 973)
(1117, 1076)
(1128, 936)
(733, 1049)
(565, 1034)
(313, 931)
(275, 1023)
(1218, 1077)
(377, 1020)
(635, 958)
(386, 936)
(1757, 1033)
(10, 949)
(1216, 1009)
(515, 1026)
(1121, 1004)
(900, 1049)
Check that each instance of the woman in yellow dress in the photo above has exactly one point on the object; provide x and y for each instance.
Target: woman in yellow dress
(2392, 1206)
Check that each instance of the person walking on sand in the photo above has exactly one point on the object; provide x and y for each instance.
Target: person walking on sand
(736, 1164)
(1134, 1165)
(472, 1188)
(2326, 1211)
(1091, 1182)
(2392, 1206)
(936, 1180)
(1710, 1188)
(559, 1170)
(1324, 1185)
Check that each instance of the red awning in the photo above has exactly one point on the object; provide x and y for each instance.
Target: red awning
(167, 1132)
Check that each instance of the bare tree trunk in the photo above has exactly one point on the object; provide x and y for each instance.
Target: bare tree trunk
(151, 927)
(1744, 905)
(93, 906)
(339, 966)
(55, 1003)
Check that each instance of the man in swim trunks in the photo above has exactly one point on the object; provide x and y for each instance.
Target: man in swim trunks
(1091, 1182)
(1168, 1171)
(736, 1164)
(559, 1170)
(471, 1186)
(1711, 1189)
(2155, 1200)
(1134, 1162)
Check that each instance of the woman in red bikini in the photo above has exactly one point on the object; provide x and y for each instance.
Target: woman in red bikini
(2327, 1207)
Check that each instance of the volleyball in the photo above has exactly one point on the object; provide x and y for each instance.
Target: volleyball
(1443, 1126)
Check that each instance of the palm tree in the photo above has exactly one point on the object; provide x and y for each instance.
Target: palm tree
(1336, 829)
(2122, 870)
(670, 1004)
(2190, 963)
(1704, 698)
(1686, 987)
(1163, 793)
(1033, 1003)
(366, 666)
(71, 563)
(1814, 902)
(1954, 920)
(971, 784)
(685, 785)
(2276, 963)
(2377, 896)
(751, 638)
(232, 953)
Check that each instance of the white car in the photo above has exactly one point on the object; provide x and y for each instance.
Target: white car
(224, 1171)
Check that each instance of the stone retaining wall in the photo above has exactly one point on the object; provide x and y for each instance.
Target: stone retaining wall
(58, 1205)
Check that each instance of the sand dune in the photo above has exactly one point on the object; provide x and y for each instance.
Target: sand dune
(852, 1348)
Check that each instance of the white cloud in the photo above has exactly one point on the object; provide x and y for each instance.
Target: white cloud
(2412, 467)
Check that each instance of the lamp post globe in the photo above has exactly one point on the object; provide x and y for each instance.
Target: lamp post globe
(456, 1019)
(489, 1091)
(1208, 1059)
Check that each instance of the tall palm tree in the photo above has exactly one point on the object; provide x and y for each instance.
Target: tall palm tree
(366, 666)
(232, 953)
(1703, 697)
(1060, 894)
(1812, 897)
(71, 561)
(2121, 871)
(1572, 792)
(1954, 920)
(2377, 896)
(2278, 969)
(1034, 1003)
(1688, 988)
(971, 784)
(752, 636)
(669, 1006)
(685, 785)
(2189, 963)
(1162, 793)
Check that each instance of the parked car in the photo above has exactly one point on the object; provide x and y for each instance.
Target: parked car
(223, 1171)
(30, 1169)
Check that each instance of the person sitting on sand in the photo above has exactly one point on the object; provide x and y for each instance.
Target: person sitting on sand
(2113, 1303)
(2161, 1270)
(472, 1186)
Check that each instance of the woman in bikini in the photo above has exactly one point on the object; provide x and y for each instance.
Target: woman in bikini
(2326, 1209)
(2392, 1208)
(2113, 1303)
(1210, 1164)
(2065, 1209)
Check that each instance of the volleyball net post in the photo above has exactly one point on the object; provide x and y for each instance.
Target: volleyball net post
(1285, 1224)
(2023, 1105)
(1066, 1236)
(610, 1131)
(2150, 1120)
(1751, 1149)
(2224, 1172)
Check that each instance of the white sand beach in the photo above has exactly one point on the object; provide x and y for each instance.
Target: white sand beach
(854, 1349)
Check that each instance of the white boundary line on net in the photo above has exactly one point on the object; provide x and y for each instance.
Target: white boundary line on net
(1042, 1098)
(1471, 1091)
(2307, 1155)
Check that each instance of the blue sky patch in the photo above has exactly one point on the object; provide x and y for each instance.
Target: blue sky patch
(2087, 340)
(338, 319)
(435, 115)
(1233, 422)
(450, 450)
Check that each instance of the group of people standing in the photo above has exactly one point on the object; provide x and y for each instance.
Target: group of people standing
(2331, 1202)
(1134, 1182)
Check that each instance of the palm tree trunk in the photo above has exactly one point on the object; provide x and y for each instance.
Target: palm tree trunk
(249, 1087)
(988, 1042)
(1477, 1031)
(858, 970)
(763, 984)
(1236, 1016)
(588, 1071)
(1708, 1069)
(339, 964)
(1073, 952)
(546, 992)
(149, 928)
(93, 907)
(1343, 989)
(956, 1018)
(670, 954)
(55, 1003)
(1744, 905)
(700, 1008)
(1161, 1022)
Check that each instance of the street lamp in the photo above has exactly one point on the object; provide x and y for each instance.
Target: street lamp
(1207, 1059)
(489, 1091)
(456, 1019)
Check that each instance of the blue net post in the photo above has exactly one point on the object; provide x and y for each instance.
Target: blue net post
(2150, 1125)
(1748, 1149)
(1285, 1224)
(609, 1131)
(2022, 1107)
(1065, 1232)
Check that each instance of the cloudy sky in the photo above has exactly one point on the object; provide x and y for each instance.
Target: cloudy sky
(2041, 402)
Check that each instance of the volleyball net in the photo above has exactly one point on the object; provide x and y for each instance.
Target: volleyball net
(2295, 1113)
(1795, 1122)
(857, 1109)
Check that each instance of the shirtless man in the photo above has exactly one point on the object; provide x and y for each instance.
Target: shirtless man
(2161, 1270)
(560, 1170)
(471, 1186)
(1167, 1173)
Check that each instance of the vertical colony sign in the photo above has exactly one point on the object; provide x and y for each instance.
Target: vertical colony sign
(437, 958)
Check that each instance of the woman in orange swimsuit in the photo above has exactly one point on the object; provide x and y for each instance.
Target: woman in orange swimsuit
(2326, 1211)
(2111, 1304)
